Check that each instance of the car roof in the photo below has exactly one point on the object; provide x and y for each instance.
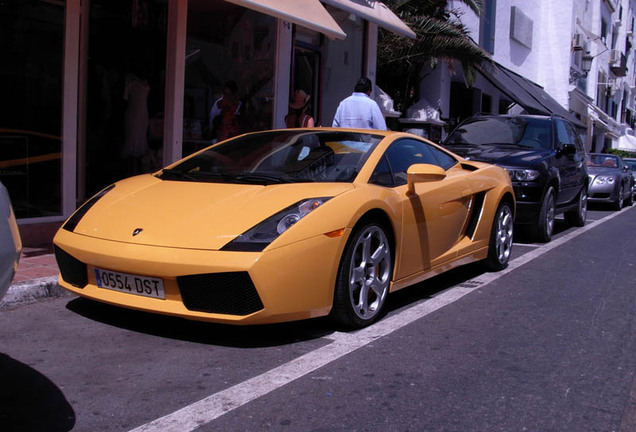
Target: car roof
(529, 116)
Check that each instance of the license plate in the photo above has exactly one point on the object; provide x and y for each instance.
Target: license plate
(130, 283)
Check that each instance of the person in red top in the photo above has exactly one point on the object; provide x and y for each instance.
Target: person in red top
(298, 115)
(225, 111)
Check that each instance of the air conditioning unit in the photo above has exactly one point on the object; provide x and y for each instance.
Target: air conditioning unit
(578, 42)
(615, 56)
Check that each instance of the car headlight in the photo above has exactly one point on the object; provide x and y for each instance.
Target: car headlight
(523, 174)
(601, 180)
(258, 237)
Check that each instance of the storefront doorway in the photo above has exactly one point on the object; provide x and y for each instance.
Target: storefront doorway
(306, 68)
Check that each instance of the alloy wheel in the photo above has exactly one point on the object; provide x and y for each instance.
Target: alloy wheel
(549, 216)
(369, 272)
(504, 234)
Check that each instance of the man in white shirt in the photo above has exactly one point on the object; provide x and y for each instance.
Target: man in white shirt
(359, 111)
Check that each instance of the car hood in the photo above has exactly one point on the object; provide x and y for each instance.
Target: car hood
(190, 214)
(500, 154)
(596, 171)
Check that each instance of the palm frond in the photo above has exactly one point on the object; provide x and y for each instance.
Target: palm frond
(441, 37)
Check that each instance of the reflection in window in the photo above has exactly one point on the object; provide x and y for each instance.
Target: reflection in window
(404, 153)
(229, 81)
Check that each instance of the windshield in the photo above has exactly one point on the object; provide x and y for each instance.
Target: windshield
(631, 164)
(515, 131)
(279, 157)
(602, 160)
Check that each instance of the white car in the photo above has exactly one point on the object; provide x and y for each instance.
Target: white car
(10, 243)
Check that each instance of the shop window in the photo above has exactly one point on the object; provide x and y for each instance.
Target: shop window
(486, 104)
(124, 94)
(229, 73)
(32, 45)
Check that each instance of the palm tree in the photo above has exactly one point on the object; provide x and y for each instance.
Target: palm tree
(441, 37)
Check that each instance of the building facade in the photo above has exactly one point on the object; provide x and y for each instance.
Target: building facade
(578, 54)
(94, 91)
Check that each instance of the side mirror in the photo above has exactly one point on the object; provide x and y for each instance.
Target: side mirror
(419, 173)
(567, 149)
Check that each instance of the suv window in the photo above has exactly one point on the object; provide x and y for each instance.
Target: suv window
(402, 154)
(567, 135)
(522, 131)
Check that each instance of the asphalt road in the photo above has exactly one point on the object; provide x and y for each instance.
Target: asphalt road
(546, 345)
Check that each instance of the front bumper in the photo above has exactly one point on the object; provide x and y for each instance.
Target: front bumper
(606, 193)
(528, 198)
(292, 282)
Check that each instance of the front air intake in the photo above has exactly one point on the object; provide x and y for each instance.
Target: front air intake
(231, 293)
(73, 270)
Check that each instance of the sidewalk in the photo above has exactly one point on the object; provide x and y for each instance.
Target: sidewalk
(36, 277)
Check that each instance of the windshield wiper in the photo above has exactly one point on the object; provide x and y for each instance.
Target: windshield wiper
(178, 174)
(261, 177)
(230, 177)
(490, 144)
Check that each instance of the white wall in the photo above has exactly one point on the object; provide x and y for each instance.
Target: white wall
(543, 61)
(554, 38)
(343, 64)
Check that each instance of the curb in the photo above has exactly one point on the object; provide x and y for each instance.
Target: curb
(32, 290)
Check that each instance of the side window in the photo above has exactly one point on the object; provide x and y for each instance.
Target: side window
(443, 159)
(574, 137)
(406, 152)
(382, 175)
(562, 133)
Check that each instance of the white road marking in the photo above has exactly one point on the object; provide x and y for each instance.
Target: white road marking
(212, 407)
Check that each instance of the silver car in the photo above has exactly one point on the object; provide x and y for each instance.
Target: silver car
(631, 163)
(10, 243)
(611, 180)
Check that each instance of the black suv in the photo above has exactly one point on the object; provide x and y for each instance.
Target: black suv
(544, 157)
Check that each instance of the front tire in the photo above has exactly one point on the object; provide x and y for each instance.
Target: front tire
(630, 197)
(364, 275)
(545, 224)
(500, 245)
(618, 204)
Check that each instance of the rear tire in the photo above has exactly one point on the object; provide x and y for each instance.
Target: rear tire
(630, 197)
(501, 236)
(542, 230)
(364, 276)
(577, 217)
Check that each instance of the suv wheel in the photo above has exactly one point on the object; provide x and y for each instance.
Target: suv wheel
(545, 225)
(577, 217)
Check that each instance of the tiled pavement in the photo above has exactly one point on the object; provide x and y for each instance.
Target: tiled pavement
(36, 277)
(36, 263)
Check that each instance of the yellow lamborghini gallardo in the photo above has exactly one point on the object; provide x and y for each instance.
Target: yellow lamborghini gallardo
(288, 224)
